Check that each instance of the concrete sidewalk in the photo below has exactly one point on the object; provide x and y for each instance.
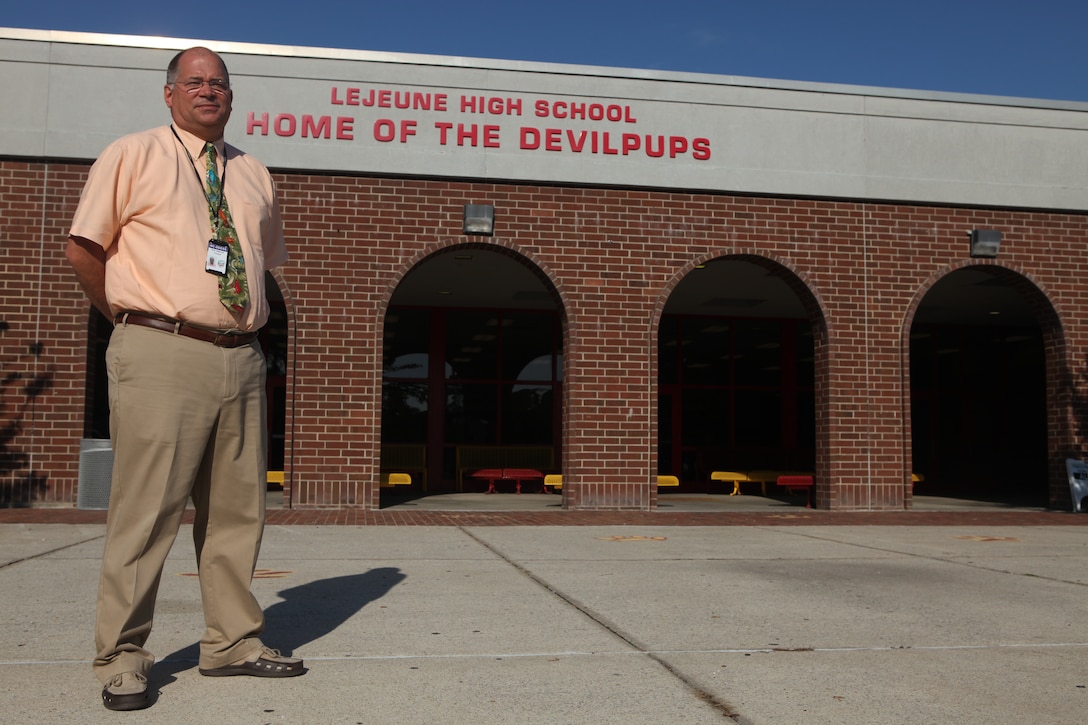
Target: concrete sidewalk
(588, 624)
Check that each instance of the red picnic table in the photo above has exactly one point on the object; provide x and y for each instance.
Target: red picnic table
(799, 483)
(506, 474)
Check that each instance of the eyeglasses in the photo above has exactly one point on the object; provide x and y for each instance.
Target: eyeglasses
(192, 86)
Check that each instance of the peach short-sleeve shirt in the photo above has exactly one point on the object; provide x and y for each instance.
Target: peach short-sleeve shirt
(144, 203)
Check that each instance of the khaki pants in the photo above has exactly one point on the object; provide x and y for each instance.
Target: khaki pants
(187, 420)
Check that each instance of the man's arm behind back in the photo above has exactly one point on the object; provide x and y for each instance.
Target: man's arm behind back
(88, 260)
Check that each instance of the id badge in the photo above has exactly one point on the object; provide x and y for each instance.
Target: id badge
(217, 258)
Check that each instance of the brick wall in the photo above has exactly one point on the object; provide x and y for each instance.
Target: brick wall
(43, 321)
(610, 257)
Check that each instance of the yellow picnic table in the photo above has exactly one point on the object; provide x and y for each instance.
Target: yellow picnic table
(760, 476)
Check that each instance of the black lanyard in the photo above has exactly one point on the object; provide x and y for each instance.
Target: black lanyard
(200, 182)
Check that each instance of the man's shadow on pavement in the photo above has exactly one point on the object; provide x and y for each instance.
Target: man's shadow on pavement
(307, 612)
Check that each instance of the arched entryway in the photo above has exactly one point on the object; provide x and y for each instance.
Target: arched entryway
(978, 387)
(739, 348)
(472, 370)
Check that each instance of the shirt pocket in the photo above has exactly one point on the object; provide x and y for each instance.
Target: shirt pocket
(253, 222)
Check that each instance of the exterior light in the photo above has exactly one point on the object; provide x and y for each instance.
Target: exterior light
(479, 219)
(985, 242)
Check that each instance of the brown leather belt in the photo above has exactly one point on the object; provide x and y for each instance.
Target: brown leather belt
(177, 327)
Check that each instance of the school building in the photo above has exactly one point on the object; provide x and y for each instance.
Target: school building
(607, 274)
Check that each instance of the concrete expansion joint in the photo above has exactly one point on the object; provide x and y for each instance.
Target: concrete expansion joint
(612, 628)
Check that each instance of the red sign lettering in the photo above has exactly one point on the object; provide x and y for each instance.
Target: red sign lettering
(591, 140)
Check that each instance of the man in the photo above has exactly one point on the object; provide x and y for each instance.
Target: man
(171, 240)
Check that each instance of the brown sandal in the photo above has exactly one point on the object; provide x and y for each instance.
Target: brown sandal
(270, 664)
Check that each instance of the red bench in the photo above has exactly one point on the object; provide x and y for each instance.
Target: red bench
(507, 474)
(798, 483)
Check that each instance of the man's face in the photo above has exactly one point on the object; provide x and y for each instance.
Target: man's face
(200, 98)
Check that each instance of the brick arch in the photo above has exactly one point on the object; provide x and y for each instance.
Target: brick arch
(508, 249)
(285, 291)
(798, 281)
(1034, 293)
(540, 269)
(812, 301)
(1060, 378)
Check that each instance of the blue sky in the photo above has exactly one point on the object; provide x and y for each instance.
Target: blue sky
(1025, 48)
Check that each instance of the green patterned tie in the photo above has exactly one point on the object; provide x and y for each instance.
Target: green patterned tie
(233, 290)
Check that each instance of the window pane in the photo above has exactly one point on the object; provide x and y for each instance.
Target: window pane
(472, 339)
(759, 418)
(275, 333)
(705, 417)
(806, 355)
(527, 346)
(471, 414)
(406, 344)
(921, 358)
(806, 419)
(757, 350)
(404, 412)
(527, 415)
(705, 351)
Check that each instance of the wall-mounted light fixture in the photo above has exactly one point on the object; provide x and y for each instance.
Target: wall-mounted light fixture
(479, 219)
(985, 242)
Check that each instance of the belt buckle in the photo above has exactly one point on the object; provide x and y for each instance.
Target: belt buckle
(229, 340)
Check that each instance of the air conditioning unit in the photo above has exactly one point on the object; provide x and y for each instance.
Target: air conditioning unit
(95, 473)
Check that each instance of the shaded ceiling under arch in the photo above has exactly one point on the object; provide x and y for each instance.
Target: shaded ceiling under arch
(473, 277)
(976, 296)
(477, 277)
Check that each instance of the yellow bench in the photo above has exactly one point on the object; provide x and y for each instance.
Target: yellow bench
(760, 476)
(555, 480)
(734, 477)
(400, 457)
(388, 480)
(275, 478)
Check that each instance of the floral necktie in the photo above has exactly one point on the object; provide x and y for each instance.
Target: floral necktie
(233, 290)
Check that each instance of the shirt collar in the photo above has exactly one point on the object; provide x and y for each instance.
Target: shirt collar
(195, 145)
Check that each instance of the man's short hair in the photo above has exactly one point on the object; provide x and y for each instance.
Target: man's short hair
(172, 69)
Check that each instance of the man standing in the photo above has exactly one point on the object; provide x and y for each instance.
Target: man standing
(171, 240)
